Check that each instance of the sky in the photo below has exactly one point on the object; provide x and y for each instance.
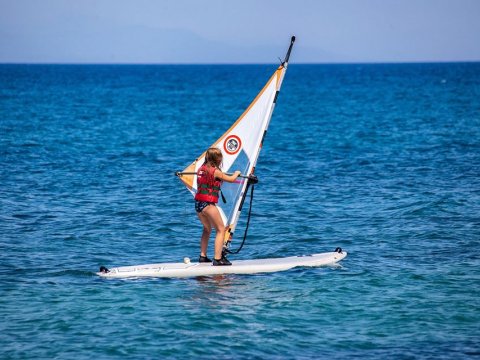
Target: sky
(240, 31)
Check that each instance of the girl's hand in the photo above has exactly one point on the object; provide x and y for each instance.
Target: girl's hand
(225, 177)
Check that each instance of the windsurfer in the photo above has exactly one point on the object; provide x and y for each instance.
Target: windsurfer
(209, 181)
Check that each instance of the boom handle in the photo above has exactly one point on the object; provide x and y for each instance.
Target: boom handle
(252, 177)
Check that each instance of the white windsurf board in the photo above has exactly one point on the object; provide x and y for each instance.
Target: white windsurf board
(190, 269)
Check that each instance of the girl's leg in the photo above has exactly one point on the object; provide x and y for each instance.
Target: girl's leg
(213, 215)
(207, 230)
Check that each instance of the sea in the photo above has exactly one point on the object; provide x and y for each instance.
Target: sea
(382, 160)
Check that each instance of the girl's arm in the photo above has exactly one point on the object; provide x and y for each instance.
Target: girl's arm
(228, 178)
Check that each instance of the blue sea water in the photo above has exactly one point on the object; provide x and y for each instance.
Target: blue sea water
(382, 160)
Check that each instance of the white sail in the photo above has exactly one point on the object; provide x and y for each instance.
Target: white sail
(240, 146)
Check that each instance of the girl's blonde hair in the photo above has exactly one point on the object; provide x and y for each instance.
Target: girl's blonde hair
(214, 157)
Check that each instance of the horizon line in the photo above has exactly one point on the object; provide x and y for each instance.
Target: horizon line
(247, 63)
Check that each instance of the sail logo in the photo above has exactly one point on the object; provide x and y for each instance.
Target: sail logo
(232, 144)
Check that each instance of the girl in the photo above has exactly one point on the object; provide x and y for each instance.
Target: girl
(209, 180)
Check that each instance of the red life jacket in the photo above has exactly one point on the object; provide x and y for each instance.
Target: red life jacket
(208, 187)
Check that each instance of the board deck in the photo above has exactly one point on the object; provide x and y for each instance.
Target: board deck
(178, 270)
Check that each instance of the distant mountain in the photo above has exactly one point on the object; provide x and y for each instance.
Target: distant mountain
(80, 40)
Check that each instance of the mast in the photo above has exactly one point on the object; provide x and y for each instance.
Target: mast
(280, 73)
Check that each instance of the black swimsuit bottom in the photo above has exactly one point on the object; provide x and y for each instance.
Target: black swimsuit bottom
(200, 205)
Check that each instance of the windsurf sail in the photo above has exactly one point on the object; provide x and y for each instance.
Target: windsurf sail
(240, 146)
